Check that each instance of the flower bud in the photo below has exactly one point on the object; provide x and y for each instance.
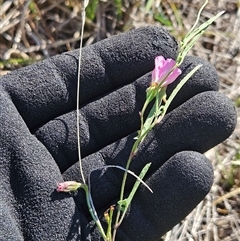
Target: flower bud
(68, 186)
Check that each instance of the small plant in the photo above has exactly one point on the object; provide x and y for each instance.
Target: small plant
(165, 72)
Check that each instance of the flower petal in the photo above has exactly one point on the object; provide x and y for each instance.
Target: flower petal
(156, 73)
(161, 73)
(172, 77)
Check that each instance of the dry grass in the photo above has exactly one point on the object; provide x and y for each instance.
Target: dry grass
(33, 30)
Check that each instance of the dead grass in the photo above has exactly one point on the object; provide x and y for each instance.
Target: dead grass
(33, 30)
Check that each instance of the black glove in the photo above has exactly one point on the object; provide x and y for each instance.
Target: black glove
(38, 143)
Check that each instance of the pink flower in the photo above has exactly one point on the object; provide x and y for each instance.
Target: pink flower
(68, 186)
(162, 74)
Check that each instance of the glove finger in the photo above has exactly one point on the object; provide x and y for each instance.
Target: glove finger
(28, 178)
(178, 186)
(205, 79)
(47, 89)
(198, 124)
(114, 116)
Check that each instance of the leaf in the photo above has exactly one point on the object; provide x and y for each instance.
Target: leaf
(163, 19)
(130, 172)
(151, 93)
(124, 204)
(149, 5)
(178, 87)
(92, 210)
(91, 9)
(194, 34)
(118, 5)
(155, 111)
(149, 120)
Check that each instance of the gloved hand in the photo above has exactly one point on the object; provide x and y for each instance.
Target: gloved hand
(38, 142)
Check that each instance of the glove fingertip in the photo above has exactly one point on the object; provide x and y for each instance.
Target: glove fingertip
(205, 79)
(178, 186)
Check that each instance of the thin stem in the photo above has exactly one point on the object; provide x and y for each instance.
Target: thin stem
(141, 135)
(142, 113)
(109, 230)
(84, 5)
(132, 153)
(197, 20)
(123, 188)
(139, 139)
(194, 34)
(92, 211)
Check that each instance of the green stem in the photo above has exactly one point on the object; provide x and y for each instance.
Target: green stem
(110, 222)
(141, 135)
(142, 113)
(132, 153)
(197, 20)
(93, 212)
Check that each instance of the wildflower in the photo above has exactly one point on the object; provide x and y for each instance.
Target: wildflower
(68, 186)
(165, 72)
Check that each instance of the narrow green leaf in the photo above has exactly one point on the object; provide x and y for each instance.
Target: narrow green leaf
(124, 204)
(151, 93)
(118, 5)
(155, 111)
(178, 87)
(197, 20)
(192, 37)
(92, 210)
(163, 19)
(149, 5)
(91, 9)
